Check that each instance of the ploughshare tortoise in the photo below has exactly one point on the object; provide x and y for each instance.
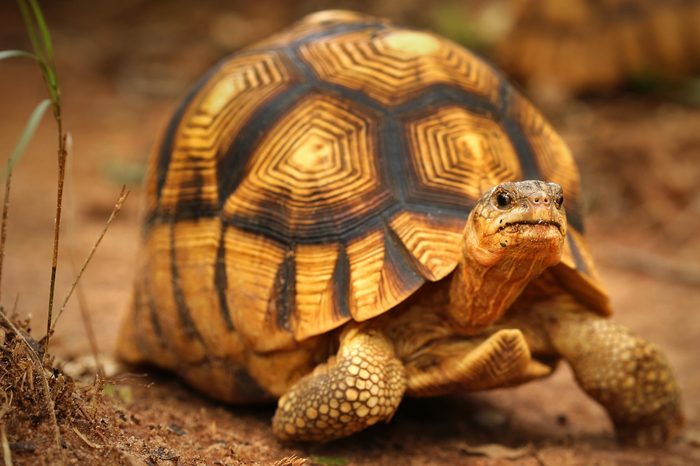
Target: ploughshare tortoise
(336, 218)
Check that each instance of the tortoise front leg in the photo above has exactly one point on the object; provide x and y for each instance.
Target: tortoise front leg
(361, 385)
(626, 374)
(459, 364)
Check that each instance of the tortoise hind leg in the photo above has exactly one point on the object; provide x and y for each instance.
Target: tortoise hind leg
(358, 387)
(626, 374)
(471, 364)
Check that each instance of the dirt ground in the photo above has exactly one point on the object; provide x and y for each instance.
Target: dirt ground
(122, 69)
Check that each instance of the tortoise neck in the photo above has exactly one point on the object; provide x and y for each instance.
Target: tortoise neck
(482, 290)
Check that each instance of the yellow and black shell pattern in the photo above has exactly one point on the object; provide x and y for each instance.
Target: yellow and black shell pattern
(325, 174)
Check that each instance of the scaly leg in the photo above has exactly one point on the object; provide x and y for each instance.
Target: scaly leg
(361, 385)
(627, 375)
(470, 364)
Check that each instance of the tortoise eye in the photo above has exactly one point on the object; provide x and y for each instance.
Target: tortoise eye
(503, 199)
(559, 201)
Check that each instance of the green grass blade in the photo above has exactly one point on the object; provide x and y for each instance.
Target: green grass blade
(31, 30)
(51, 81)
(28, 132)
(43, 28)
(4, 54)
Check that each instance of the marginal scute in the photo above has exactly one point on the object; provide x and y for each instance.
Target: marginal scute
(142, 338)
(433, 242)
(316, 308)
(180, 336)
(197, 244)
(252, 262)
(577, 274)
(380, 277)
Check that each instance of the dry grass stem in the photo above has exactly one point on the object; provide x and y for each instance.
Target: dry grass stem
(6, 452)
(44, 382)
(117, 208)
(15, 306)
(87, 323)
(85, 439)
(62, 156)
(3, 228)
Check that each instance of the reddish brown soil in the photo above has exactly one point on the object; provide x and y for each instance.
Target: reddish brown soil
(121, 71)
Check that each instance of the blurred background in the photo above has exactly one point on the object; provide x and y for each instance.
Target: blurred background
(617, 78)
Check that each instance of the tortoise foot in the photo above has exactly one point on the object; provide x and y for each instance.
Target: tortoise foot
(360, 386)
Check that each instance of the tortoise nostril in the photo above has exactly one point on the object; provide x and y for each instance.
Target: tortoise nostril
(540, 199)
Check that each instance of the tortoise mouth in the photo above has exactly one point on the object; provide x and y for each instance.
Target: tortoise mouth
(522, 223)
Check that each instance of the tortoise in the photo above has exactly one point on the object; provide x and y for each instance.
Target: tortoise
(614, 42)
(350, 212)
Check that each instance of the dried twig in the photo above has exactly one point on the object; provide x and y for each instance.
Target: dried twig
(117, 208)
(44, 382)
(87, 323)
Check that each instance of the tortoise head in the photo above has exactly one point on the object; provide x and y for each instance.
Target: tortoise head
(523, 219)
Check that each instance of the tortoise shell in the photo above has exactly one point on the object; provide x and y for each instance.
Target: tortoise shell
(323, 175)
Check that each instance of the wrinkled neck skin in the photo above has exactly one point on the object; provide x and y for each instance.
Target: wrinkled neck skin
(490, 277)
